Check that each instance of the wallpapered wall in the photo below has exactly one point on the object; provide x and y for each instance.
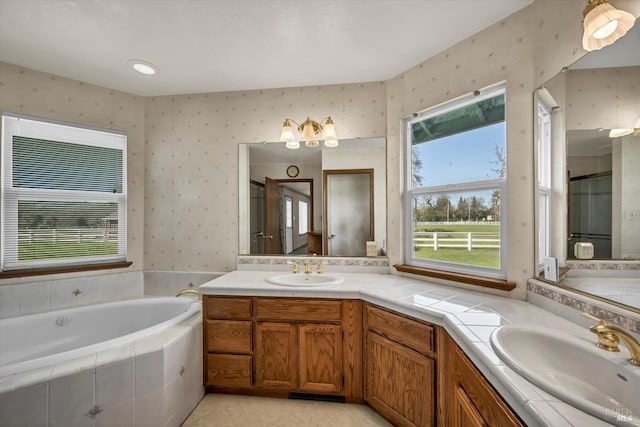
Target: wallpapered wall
(189, 157)
(39, 94)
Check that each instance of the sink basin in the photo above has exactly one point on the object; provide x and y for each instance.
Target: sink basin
(574, 370)
(304, 280)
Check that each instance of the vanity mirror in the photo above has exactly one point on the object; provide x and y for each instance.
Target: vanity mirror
(588, 173)
(323, 201)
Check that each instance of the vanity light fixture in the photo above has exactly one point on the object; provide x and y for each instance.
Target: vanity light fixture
(143, 67)
(309, 129)
(604, 24)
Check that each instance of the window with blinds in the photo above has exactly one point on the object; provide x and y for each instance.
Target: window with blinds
(64, 195)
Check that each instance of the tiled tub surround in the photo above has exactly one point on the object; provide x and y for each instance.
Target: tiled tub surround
(469, 317)
(168, 283)
(37, 294)
(155, 380)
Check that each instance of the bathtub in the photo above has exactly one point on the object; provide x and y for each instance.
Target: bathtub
(134, 362)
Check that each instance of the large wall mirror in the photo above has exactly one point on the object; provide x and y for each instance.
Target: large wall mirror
(588, 176)
(313, 201)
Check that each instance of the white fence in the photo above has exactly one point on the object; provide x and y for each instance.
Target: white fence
(455, 239)
(76, 235)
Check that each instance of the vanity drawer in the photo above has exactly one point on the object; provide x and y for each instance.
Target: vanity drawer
(412, 333)
(293, 309)
(228, 308)
(229, 370)
(231, 336)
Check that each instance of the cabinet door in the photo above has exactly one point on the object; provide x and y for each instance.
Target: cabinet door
(463, 411)
(276, 355)
(400, 382)
(228, 370)
(320, 358)
(473, 401)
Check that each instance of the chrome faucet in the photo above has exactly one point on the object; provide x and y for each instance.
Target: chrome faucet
(609, 337)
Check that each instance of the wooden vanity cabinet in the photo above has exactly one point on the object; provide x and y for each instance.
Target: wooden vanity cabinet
(284, 345)
(400, 367)
(471, 400)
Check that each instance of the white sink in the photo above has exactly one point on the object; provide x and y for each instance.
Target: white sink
(304, 280)
(574, 370)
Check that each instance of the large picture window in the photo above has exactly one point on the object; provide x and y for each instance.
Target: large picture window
(456, 181)
(64, 195)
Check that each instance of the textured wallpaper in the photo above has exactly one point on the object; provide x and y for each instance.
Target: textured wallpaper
(191, 161)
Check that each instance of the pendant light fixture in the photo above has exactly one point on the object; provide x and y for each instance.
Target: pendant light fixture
(604, 24)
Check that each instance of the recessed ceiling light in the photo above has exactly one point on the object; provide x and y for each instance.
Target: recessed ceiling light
(143, 67)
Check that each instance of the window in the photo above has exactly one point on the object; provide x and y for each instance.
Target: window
(64, 194)
(303, 217)
(456, 181)
(544, 181)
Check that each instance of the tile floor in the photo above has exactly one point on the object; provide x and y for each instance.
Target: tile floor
(222, 410)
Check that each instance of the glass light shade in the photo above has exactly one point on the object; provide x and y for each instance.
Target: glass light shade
(292, 145)
(329, 130)
(312, 143)
(617, 133)
(287, 133)
(331, 143)
(600, 30)
(307, 132)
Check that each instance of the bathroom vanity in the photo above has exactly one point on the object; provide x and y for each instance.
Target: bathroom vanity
(334, 343)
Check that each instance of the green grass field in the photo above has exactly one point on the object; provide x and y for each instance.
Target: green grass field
(480, 257)
(43, 250)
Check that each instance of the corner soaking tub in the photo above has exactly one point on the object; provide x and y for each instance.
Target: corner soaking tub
(148, 350)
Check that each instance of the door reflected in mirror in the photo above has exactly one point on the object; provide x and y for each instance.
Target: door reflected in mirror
(280, 215)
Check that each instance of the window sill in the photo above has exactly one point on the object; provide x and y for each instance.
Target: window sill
(67, 269)
(469, 279)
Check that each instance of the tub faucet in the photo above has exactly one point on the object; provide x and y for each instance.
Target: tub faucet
(189, 291)
(609, 337)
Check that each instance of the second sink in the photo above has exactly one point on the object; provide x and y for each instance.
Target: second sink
(574, 370)
(304, 280)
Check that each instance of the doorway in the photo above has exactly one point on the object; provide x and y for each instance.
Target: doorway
(282, 215)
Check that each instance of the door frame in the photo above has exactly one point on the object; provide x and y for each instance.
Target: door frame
(311, 205)
(325, 225)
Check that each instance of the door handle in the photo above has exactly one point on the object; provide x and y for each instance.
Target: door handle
(331, 236)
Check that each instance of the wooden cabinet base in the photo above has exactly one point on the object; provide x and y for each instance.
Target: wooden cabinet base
(275, 346)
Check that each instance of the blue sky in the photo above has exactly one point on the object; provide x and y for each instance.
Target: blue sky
(461, 157)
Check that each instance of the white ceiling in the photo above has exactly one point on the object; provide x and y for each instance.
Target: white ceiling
(227, 45)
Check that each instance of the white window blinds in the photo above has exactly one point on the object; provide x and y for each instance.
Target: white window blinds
(64, 196)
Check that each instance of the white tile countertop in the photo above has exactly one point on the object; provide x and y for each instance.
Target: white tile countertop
(469, 317)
